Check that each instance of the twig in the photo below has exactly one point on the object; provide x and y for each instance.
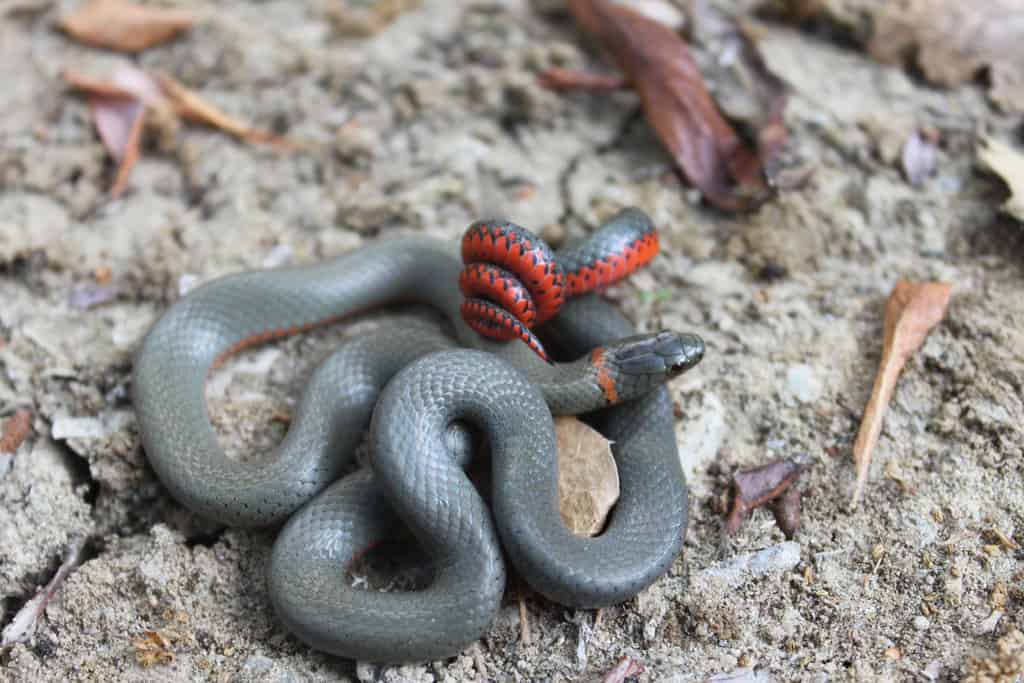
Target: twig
(23, 626)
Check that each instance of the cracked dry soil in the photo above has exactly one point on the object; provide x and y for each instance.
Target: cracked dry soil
(422, 128)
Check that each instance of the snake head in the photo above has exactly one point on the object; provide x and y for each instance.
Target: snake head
(664, 354)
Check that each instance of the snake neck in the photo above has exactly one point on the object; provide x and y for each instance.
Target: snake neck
(578, 387)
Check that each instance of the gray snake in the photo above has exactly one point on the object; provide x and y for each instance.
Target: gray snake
(418, 396)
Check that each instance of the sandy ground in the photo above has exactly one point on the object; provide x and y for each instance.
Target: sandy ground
(422, 128)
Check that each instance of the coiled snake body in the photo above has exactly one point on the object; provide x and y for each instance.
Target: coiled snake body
(422, 395)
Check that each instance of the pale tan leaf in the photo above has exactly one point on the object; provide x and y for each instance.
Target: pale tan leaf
(124, 26)
(1006, 162)
(913, 309)
(588, 480)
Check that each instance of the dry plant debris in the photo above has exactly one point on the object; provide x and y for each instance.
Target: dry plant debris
(191, 106)
(154, 647)
(912, 311)
(1005, 666)
(770, 484)
(1006, 162)
(132, 100)
(588, 480)
(23, 625)
(369, 21)
(124, 26)
(658, 66)
(952, 41)
(625, 668)
(16, 429)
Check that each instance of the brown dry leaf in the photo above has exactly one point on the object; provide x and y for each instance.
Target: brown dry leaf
(124, 26)
(913, 309)
(190, 106)
(679, 107)
(1006, 162)
(769, 484)
(953, 40)
(588, 480)
(118, 109)
(15, 430)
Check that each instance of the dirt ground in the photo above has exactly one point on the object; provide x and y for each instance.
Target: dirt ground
(422, 127)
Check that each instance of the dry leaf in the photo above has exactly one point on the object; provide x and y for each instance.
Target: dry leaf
(118, 109)
(588, 480)
(124, 106)
(190, 106)
(952, 40)
(919, 156)
(16, 429)
(124, 26)
(625, 668)
(679, 107)
(1006, 162)
(768, 484)
(912, 311)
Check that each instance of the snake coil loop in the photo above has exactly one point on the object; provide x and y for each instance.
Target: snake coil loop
(513, 281)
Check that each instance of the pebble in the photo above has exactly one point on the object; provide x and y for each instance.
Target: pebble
(921, 623)
(774, 559)
(802, 383)
(258, 664)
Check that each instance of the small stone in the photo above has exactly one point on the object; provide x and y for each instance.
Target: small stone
(802, 383)
(921, 623)
(775, 559)
(258, 664)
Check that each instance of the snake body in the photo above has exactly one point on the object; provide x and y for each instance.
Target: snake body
(419, 395)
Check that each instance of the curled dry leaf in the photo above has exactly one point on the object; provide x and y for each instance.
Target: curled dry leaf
(919, 156)
(16, 429)
(678, 106)
(769, 484)
(1006, 162)
(912, 311)
(124, 26)
(952, 41)
(588, 480)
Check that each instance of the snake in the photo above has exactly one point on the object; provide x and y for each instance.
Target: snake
(428, 400)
